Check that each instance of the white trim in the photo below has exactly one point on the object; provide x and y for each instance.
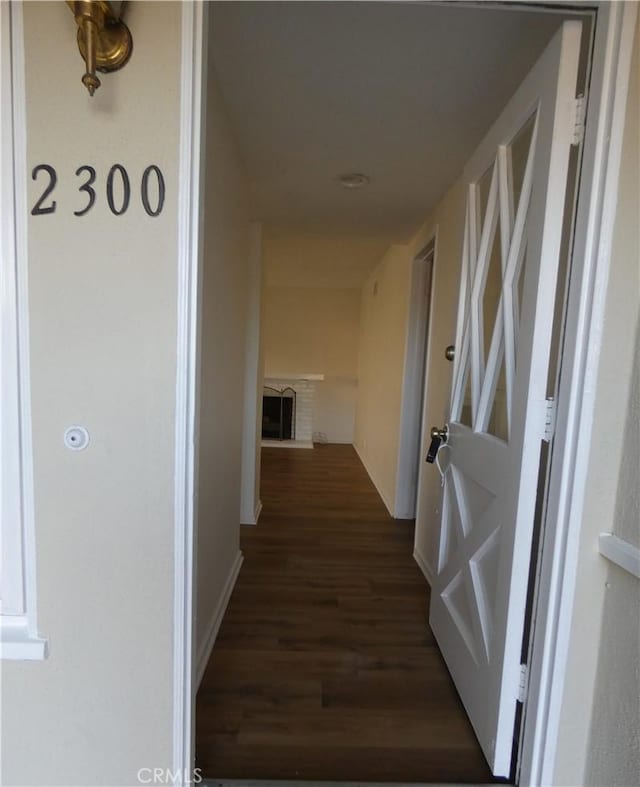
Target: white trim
(415, 379)
(374, 481)
(19, 630)
(423, 565)
(615, 28)
(18, 643)
(622, 553)
(204, 651)
(193, 81)
(253, 383)
(11, 497)
(252, 520)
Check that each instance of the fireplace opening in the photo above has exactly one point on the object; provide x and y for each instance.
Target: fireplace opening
(278, 414)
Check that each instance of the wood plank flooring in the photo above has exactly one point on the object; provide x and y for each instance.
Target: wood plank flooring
(325, 667)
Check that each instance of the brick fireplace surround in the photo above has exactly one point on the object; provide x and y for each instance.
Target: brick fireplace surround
(304, 385)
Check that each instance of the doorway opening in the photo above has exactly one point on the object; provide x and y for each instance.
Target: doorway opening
(415, 381)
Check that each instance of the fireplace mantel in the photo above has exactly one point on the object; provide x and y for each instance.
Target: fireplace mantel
(300, 376)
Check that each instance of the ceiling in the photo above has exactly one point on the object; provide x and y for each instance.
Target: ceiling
(399, 91)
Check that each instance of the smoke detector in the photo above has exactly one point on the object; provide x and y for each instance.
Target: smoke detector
(353, 180)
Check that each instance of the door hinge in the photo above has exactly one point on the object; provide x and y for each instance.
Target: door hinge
(579, 117)
(524, 680)
(549, 419)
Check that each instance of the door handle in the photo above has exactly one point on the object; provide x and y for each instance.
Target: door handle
(438, 436)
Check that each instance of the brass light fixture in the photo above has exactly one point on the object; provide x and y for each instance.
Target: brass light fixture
(104, 40)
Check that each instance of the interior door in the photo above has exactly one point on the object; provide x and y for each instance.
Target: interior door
(517, 182)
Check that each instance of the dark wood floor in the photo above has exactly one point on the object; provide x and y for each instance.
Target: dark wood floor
(325, 667)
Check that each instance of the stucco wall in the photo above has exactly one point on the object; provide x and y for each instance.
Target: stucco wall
(613, 752)
(102, 292)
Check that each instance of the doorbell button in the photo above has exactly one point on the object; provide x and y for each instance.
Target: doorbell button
(76, 438)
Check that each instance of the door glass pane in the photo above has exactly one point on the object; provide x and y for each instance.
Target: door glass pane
(498, 420)
(518, 154)
(465, 414)
(492, 291)
(482, 197)
(518, 290)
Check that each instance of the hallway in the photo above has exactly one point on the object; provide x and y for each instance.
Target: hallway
(324, 666)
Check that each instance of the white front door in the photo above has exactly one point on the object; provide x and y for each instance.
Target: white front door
(515, 205)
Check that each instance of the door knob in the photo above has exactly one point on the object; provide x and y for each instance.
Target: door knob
(450, 352)
(438, 436)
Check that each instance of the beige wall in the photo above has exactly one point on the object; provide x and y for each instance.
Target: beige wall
(314, 330)
(599, 744)
(381, 351)
(316, 259)
(447, 221)
(102, 295)
(383, 337)
(225, 294)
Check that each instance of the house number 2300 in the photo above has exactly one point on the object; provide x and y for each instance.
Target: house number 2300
(118, 190)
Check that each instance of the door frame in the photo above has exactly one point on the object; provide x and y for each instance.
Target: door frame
(613, 43)
(572, 442)
(414, 378)
(193, 85)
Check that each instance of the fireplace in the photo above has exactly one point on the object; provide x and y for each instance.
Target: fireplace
(278, 413)
(288, 410)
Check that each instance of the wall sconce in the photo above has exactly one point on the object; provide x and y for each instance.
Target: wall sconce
(104, 40)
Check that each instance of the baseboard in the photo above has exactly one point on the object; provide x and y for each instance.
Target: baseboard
(424, 566)
(388, 505)
(252, 519)
(204, 652)
(405, 514)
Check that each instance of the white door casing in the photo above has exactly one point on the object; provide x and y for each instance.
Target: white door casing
(516, 193)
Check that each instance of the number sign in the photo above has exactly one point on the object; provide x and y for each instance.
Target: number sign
(118, 190)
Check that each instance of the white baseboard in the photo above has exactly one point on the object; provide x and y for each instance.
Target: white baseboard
(378, 487)
(406, 513)
(204, 651)
(252, 519)
(424, 566)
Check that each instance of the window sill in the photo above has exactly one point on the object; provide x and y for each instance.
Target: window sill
(17, 642)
